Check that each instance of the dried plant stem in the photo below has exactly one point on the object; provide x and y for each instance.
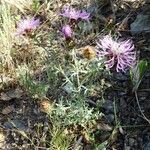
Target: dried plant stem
(78, 143)
(137, 100)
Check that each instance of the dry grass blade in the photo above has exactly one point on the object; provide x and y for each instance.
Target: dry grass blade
(20, 4)
(6, 30)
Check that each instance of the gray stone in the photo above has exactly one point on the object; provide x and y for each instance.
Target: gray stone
(141, 23)
(131, 142)
(147, 146)
(16, 123)
(110, 118)
(108, 106)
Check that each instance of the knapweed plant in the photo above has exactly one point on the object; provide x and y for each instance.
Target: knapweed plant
(27, 25)
(75, 113)
(61, 57)
(79, 75)
(74, 14)
(67, 31)
(118, 54)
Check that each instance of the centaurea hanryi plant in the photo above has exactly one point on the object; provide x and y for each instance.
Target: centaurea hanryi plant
(67, 31)
(119, 54)
(27, 25)
(74, 14)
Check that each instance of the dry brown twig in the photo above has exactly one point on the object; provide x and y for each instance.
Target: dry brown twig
(143, 115)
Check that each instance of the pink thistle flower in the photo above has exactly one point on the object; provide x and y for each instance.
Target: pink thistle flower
(67, 31)
(27, 25)
(72, 13)
(119, 54)
(84, 15)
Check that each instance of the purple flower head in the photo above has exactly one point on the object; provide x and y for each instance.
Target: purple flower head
(72, 13)
(27, 25)
(66, 31)
(119, 54)
(84, 15)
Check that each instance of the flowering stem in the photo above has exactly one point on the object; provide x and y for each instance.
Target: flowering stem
(77, 73)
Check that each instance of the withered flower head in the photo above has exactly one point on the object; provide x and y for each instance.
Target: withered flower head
(89, 52)
(46, 105)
